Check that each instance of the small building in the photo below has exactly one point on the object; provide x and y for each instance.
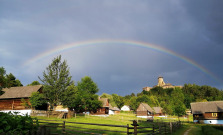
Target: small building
(11, 99)
(113, 110)
(157, 111)
(104, 110)
(125, 108)
(207, 112)
(144, 111)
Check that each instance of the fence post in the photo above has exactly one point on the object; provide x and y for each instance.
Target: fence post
(127, 129)
(135, 127)
(170, 127)
(63, 130)
(153, 128)
(160, 130)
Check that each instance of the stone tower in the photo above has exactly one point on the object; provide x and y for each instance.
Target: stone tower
(160, 81)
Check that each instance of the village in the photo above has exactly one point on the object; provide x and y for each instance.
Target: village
(18, 100)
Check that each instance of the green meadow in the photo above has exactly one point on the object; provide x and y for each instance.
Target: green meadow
(117, 119)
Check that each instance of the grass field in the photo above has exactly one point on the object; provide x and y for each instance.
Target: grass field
(120, 119)
(124, 119)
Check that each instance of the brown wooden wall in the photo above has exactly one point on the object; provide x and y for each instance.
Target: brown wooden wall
(207, 116)
(102, 111)
(142, 113)
(12, 104)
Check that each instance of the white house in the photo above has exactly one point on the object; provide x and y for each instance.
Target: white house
(125, 108)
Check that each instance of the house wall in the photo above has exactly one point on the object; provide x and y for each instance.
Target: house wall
(142, 113)
(208, 116)
(12, 104)
(125, 108)
(102, 111)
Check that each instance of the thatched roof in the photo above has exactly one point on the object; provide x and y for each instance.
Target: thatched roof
(113, 108)
(104, 101)
(202, 107)
(19, 92)
(157, 109)
(144, 107)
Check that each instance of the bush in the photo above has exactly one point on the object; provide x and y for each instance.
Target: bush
(14, 123)
(211, 130)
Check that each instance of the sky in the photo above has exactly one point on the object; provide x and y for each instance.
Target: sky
(123, 45)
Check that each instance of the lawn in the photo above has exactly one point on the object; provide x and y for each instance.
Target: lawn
(118, 119)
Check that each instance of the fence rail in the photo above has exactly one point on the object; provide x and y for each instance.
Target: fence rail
(154, 129)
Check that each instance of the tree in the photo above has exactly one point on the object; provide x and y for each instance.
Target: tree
(69, 97)
(179, 109)
(34, 83)
(87, 99)
(37, 99)
(11, 81)
(133, 103)
(56, 79)
(2, 77)
(119, 101)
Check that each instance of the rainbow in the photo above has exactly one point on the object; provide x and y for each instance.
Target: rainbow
(123, 42)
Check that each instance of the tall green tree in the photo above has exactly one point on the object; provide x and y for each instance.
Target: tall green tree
(2, 77)
(119, 100)
(70, 97)
(56, 79)
(87, 98)
(11, 81)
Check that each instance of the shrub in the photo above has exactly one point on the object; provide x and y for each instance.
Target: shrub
(14, 123)
(211, 130)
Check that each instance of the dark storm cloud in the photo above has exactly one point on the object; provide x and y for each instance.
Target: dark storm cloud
(190, 28)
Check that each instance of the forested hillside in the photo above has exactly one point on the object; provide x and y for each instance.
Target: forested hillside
(174, 101)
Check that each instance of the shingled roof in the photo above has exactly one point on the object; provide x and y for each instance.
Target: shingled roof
(104, 101)
(157, 109)
(202, 107)
(19, 92)
(144, 106)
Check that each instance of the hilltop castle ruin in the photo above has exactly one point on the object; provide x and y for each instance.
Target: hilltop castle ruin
(162, 84)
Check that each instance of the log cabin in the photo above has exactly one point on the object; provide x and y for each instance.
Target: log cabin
(104, 110)
(157, 111)
(144, 111)
(207, 112)
(12, 97)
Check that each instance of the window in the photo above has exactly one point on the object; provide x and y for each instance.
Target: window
(214, 114)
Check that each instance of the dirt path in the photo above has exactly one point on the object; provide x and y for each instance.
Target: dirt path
(186, 133)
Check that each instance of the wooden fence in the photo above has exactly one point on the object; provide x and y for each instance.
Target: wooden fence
(161, 128)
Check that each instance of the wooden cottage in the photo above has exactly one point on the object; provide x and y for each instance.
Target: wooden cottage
(157, 111)
(144, 110)
(11, 99)
(208, 112)
(113, 110)
(104, 110)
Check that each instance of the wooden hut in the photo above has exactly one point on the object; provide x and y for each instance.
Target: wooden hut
(12, 97)
(157, 111)
(144, 110)
(104, 110)
(208, 112)
(113, 110)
